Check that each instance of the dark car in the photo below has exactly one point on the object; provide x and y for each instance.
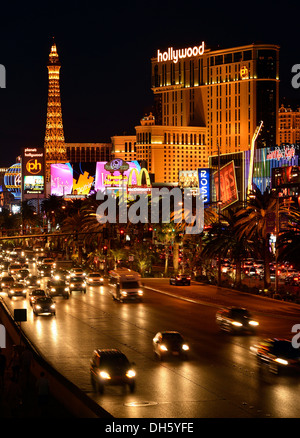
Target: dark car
(7, 281)
(77, 283)
(59, 274)
(17, 290)
(44, 270)
(278, 354)
(22, 274)
(111, 367)
(35, 294)
(58, 288)
(180, 279)
(43, 306)
(236, 320)
(293, 280)
(32, 281)
(169, 343)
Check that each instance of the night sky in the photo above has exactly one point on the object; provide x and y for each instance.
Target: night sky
(105, 50)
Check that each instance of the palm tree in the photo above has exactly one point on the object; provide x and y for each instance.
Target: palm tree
(289, 240)
(52, 208)
(253, 224)
(222, 241)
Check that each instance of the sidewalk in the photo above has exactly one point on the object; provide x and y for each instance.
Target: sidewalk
(19, 394)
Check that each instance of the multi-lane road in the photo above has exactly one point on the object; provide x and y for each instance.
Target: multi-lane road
(221, 377)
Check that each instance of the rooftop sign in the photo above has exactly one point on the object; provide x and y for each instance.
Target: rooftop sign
(175, 55)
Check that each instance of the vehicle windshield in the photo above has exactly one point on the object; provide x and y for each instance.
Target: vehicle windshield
(37, 293)
(240, 313)
(77, 279)
(95, 275)
(130, 285)
(57, 283)
(286, 349)
(44, 300)
(172, 337)
(114, 362)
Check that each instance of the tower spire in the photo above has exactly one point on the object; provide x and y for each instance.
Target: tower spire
(54, 143)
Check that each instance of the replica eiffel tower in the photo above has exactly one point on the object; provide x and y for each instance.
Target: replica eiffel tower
(54, 143)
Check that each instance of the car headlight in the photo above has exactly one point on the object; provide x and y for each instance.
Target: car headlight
(57, 277)
(104, 375)
(83, 284)
(124, 293)
(38, 307)
(72, 285)
(52, 289)
(254, 323)
(163, 347)
(130, 374)
(12, 291)
(236, 323)
(281, 361)
(185, 347)
(66, 288)
(52, 306)
(140, 292)
(24, 291)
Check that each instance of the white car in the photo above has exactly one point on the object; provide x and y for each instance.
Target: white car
(94, 279)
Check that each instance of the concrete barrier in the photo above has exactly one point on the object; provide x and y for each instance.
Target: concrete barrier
(68, 394)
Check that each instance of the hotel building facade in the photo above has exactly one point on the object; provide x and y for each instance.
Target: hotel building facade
(207, 101)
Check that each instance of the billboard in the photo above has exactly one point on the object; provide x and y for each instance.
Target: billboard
(228, 186)
(82, 179)
(33, 172)
(204, 185)
(61, 179)
(114, 179)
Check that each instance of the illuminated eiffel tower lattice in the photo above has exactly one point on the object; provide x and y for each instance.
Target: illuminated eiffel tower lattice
(54, 144)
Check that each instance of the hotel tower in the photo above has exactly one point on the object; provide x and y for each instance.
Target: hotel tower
(207, 101)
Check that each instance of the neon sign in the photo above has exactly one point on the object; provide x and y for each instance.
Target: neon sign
(286, 152)
(204, 185)
(175, 55)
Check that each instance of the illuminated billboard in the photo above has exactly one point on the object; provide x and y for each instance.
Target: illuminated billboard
(33, 173)
(114, 179)
(228, 186)
(204, 185)
(188, 179)
(61, 179)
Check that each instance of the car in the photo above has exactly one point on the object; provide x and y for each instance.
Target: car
(94, 279)
(44, 270)
(77, 272)
(31, 281)
(44, 305)
(22, 274)
(111, 367)
(278, 354)
(180, 279)
(58, 288)
(14, 268)
(16, 290)
(292, 280)
(77, 283)
(170, 343)
(7, 281)
(59, 274)
(236, 320)
(35, 294)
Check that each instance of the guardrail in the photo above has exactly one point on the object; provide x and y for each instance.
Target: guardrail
(68, 394)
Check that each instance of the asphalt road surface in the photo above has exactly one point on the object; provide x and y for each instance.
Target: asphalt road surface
(221, 378)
